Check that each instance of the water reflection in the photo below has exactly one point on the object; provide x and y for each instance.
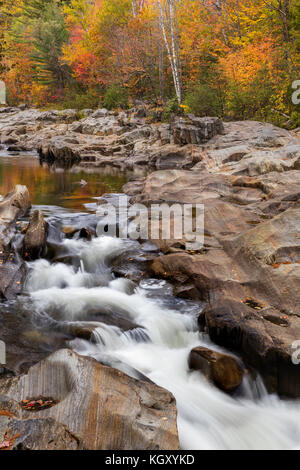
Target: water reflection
(56, 186)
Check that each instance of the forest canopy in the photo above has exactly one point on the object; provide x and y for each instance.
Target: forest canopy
(236, 59)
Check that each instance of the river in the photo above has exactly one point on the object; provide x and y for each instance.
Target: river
(78, 284)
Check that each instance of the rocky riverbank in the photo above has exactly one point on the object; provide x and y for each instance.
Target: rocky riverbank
(247, 175)
(102, 137)
(249, 268)
(63, 401)
(91, 407)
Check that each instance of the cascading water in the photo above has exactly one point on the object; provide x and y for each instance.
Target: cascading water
(158, 348)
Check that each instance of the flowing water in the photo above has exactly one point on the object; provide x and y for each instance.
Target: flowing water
(82, 288)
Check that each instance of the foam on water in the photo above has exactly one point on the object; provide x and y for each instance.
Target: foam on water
(159, 349)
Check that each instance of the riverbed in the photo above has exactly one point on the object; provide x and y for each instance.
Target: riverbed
(85, 283)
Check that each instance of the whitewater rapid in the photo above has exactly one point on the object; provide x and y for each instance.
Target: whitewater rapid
(158, 348)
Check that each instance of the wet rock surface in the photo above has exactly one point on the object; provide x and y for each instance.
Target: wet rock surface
(93, 408)
(35, 237)
(221, 369)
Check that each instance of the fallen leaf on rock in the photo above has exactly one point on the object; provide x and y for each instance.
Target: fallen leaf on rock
(253, 304)
(8, 441)
(4, 444)
(38, 404)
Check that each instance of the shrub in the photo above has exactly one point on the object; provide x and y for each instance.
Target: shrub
(203, 100)
(237, 105)
(295, 119)
(171, 107)
(116, 97)
(81, 99)
(253, 100)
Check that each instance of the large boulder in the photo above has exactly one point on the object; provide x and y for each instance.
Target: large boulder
(60, 150)
(172, 156)
(95, 408)
(263, 335)
(193, 130)
(221, 369)
(15, 204)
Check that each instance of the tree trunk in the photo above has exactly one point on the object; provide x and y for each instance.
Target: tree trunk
(168, 24)
(161, 70)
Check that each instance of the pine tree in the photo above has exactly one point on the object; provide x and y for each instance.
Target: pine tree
(295, 13)
(47, 34)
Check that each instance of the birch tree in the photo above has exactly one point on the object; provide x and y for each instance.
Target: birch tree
(169, 28)
(137, 5)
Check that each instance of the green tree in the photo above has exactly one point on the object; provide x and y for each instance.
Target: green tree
(44, 26)
(295, 14)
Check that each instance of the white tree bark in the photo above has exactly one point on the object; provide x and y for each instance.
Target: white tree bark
(137, 5)
(168, 25)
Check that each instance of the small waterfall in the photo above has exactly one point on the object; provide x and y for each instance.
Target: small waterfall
(157, 347)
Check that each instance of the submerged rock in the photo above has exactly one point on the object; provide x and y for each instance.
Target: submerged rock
(221, 369)
(97, 408)
(69, 230)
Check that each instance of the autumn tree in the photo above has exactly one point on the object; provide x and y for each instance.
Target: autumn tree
(233, 58)
(137, 6)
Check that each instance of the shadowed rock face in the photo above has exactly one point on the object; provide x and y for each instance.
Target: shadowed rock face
(98, 408)
(15, 204)
(59, 152)
(263, 338)
(195, 130)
